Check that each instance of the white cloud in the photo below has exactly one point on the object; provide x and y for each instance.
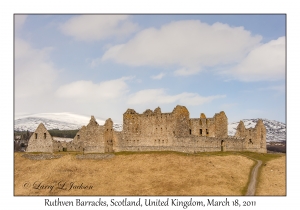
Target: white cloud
(34, 71)
(159, 76)
(98, 27)
(188, 44)
(266, 62)
(87, 90)
(159, 96)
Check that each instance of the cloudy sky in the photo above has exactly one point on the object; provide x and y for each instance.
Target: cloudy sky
(103, 64)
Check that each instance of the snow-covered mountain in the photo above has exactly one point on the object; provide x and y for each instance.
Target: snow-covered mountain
(276, 131)
(118, 126)
(61, 121)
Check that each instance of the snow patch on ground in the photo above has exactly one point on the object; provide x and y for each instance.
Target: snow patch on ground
(62, 139)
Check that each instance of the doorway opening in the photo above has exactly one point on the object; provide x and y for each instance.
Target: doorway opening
(222, 145)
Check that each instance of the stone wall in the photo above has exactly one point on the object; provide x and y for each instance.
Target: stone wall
(90, 138)
(149, 128)
(40, 140)
(221, 125)
(189, 144)
(203, 126)
(108, 136)
(175, 131)
(157, 131)
(254, 138)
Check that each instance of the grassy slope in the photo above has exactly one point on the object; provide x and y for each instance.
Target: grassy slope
(147, 173)
(273, 177)
(264, 157)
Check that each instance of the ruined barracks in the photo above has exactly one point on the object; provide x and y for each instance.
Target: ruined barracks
(156, 131)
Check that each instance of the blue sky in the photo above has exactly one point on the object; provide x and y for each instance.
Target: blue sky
(103, 64)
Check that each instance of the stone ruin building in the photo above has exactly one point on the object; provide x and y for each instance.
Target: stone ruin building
(156, 131)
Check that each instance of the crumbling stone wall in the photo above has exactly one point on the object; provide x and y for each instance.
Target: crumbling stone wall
(254, 139)
(221, 125)
(157, 131)
(40, 140)
(108, 135)
(210, 127)
(203, 126)
(153, 128)
(90, 138)
(190, 144)
(175, 131)
(261, 135)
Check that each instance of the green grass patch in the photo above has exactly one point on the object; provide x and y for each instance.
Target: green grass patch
(264, 157)
(220, 153)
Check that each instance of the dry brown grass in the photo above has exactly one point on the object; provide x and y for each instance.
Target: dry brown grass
(273, 178)
(136, 174)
